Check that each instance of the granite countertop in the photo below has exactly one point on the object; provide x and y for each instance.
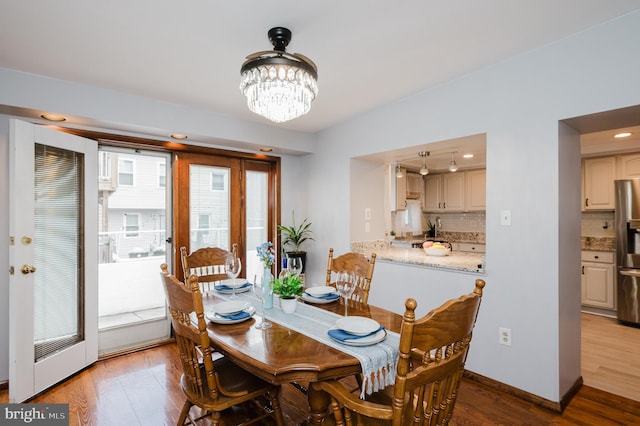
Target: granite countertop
(598, 243)
(456, 261)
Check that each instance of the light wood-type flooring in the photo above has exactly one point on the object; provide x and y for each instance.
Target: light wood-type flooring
(611, 356)
(142, 389)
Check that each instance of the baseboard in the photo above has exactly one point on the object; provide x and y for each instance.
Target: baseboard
(127, 351)
(557, 407)
(598, 311)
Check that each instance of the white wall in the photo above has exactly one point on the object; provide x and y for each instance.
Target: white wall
(532, 285)
(532, 266)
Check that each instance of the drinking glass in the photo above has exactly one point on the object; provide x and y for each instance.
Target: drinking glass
(262, 290)
(345, 284)
(294, 265)
(232, 267)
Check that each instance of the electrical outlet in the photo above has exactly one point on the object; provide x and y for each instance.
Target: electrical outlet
(504, 337)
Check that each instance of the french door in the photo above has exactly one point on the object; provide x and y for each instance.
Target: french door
(53, 253)
(221, 201)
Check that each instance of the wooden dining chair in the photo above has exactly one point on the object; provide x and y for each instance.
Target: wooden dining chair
(432, 355)
(212, 385)
(359, 265)
(206, 263)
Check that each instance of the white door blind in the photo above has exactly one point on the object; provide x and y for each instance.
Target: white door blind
(58, 242)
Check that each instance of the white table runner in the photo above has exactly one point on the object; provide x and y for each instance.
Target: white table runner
(378, 361)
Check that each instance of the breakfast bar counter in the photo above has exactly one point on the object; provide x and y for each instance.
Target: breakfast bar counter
(455, 261)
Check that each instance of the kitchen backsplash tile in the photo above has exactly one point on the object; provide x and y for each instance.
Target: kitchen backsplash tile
(598, 224)
(471, 222)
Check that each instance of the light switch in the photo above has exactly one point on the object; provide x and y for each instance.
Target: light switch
(367, 227)
(505, 217)
(367, 213)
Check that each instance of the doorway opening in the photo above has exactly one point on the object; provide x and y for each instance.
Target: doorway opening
(614, 370)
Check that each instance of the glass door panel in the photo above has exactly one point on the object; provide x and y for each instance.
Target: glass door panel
(209, 203)
(257, 213)
(134, 223)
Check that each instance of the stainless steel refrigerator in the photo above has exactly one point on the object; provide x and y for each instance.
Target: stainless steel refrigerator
(627, 218)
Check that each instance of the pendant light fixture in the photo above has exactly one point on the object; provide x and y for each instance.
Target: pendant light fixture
(424, 170)
(278, 85)
(399, 172)
(453, 166)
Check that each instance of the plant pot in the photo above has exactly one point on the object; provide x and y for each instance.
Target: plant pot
(289, 305)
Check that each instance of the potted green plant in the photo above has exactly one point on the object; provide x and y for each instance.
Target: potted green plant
(288, 288)
(294, 236)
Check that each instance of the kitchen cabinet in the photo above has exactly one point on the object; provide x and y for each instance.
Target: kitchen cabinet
(444, 192)
(598, 279)
(476, 190)
(455, 192)
(469, 247)
(599, 175)
(398, 189)
(432, 200)
(415, 186)
(629, 166)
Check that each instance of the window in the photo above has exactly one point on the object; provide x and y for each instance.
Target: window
(162, 175)
(131, 224)
(125, 172)
(217, 181)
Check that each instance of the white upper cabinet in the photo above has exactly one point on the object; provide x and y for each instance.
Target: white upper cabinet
(455, 192)
(629, 166)
(599, 175)
(476, 190)
(432, 193)
(415, 186)
(398, 189)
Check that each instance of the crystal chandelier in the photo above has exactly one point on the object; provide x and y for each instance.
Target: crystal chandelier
(278, 85)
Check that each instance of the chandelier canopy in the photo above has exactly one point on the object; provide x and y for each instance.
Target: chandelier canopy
(278, 85)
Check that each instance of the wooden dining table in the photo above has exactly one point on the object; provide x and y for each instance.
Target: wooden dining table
(281, 355)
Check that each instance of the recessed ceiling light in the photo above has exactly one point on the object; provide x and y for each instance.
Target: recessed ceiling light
(54, 117)
(467, 156)
(179, 136)
(622, 135)
(266, 149)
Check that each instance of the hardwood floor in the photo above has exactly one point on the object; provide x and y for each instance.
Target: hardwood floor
(142, 389)
(611, 356)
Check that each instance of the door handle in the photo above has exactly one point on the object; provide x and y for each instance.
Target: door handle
(27, 269)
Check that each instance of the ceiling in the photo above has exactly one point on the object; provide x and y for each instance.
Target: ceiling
(368, 52)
